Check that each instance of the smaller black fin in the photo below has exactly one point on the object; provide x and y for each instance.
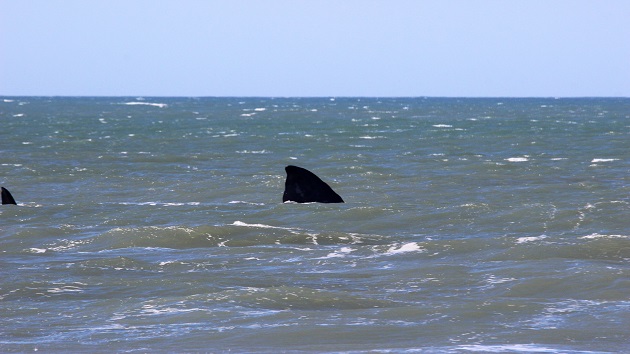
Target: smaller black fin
(7, 198)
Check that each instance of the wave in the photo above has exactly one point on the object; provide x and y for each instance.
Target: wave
(237, 234)
(607, 246)
(300, 298)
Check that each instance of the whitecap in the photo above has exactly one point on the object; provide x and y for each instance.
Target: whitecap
(516, 348)
(160, 105)
(407, 247)
(159, 203)
(262, 226)
(65, 289)
(530, 239)
(252, 152)
(442, 125)
(244, 202)
(517, 159)
(596, 236)
(492, 279)
(342, 252)
(603, 160)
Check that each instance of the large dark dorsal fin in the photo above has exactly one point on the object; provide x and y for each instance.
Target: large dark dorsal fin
(7, 198)
(303, 186)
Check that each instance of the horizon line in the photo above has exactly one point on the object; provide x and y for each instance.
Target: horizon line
(282, 96)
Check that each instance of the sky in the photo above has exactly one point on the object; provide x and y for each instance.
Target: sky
(288, 48)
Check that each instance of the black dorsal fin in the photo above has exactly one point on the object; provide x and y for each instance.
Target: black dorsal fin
(303, 186)
(7, 198)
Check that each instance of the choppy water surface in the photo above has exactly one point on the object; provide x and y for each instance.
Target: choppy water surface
(470, 225)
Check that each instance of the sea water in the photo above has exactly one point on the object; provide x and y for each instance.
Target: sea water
(470, 225)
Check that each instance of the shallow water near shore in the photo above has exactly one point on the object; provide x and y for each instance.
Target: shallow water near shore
(470, 225)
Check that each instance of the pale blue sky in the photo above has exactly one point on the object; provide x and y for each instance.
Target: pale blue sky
(315, 48)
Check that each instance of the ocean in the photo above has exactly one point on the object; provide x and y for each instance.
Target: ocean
(470, 225)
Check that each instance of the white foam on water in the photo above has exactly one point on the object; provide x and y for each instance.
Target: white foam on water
(597, 236)
(603, 160)
(406, 248)
(342, 252)
(492, 279)
(158, 203)
(530, 239)
(66, 289)
(244, 202)
(262, 226)
(160, 105)
(509, 348)
(252, 152)
(517, 159)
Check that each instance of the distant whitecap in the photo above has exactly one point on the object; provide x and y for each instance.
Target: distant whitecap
(160, 105)
(517, 159)
(603, 160)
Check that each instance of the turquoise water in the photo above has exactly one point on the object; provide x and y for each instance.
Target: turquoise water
(470, 225)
